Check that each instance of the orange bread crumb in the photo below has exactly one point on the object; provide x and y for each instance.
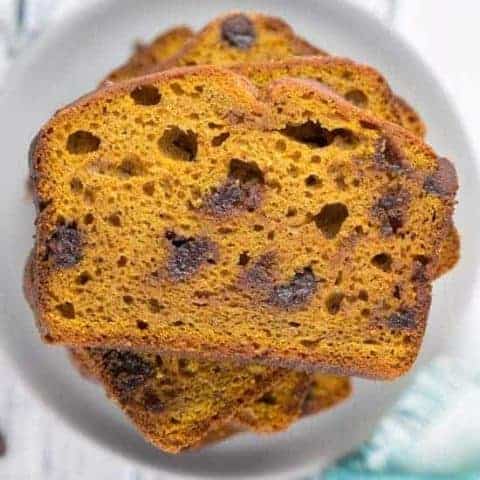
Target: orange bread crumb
(151, 392)
(276, 276)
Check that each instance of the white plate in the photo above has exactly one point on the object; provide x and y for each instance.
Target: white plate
(69, 60)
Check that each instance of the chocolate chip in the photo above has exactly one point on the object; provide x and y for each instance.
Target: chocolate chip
(390, 210)
(260, 276)
(188, 254)
(420, 268)
(64, 246)
(152, 402)
(239, 31)
(388, 155)
(403, 319)
(295, 293)
(242, 190)
(444, 181)
(127, 369)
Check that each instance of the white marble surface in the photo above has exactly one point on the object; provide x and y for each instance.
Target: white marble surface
(39, 445)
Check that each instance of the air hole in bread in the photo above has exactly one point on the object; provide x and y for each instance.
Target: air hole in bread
(149, 188)
(76, 185)
(245, 171)
(280, 146)
(357, 97)
(128, 299)
(268, 398)
(313, 181)
(89, 196)
(309, 343)
(243, 259)
(81, 142)
(363, 295)
(311, 133)
(122, 261)
(84, 278)
(291, 212)
(88, 219)
(340, 182)
(383, 261)
(219, 139)
(345, 138)
(146, 95)
(177, 89)
(114, 220)
(141, 325)
(179, 144)
(131, 166)
(331, 218)
(334, 302)
(67, 310)
(154, 305)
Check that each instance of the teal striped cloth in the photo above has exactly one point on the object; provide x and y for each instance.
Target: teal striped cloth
(431, 433)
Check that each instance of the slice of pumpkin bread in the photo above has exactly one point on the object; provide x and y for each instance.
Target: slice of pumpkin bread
(190, 212)
(295, 393)
(229, 39)
(157, 51)
(239, 38)
(409, 118)
(325, 392)
(175, 402)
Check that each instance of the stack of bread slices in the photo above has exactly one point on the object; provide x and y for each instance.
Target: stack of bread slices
(233, 224)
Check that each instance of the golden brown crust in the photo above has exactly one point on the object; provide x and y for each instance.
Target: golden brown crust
(325, 392)
(274, 40)
(274, 97)
(276, 410)
(449, 252)
(146, 56)
(173, 402)
(410, 118)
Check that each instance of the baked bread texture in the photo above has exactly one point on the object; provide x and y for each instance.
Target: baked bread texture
(361, 85)
(227, 40)
(153, 390)
(175, 402)
(449, 252)
(157, 51)
(236, 39)
(279, 225)
(409, 118)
